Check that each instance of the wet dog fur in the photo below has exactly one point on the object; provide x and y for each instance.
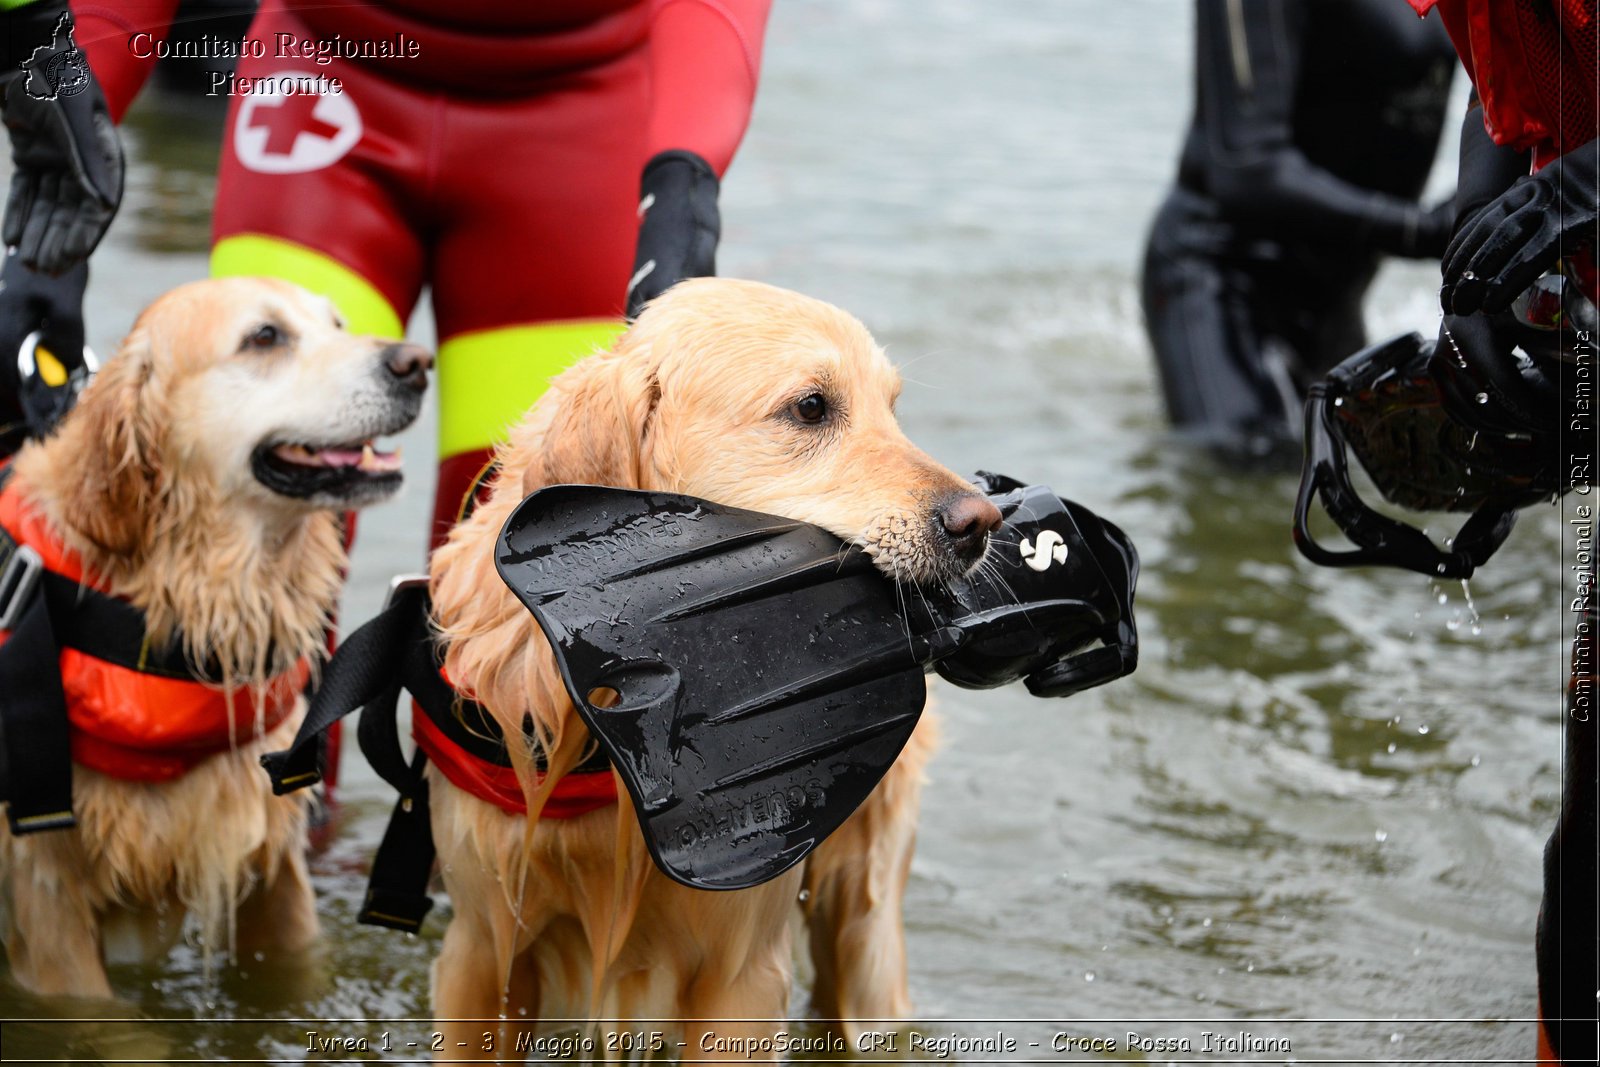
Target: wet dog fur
(154, 480)
(711, 394)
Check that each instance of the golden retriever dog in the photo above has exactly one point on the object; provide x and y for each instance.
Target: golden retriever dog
(201, 477)
(758, 398)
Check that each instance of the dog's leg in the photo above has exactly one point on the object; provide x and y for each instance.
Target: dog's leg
(478, 975)
(279, 917)
(276, 932)
(469, 990)
(855, 885)
(54, 940)
(746, 970)
(714, 1002)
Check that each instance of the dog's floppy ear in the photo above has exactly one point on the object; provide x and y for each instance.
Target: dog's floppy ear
(113, 437)
(597, 421)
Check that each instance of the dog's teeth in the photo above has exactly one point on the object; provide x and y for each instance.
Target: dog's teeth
(368, 456)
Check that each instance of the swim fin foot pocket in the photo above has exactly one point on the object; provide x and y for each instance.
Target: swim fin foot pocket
(752, 677)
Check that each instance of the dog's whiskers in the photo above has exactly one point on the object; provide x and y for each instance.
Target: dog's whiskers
(990, 572)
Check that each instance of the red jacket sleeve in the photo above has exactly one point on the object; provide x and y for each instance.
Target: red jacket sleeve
(119, 37)
(705, 62)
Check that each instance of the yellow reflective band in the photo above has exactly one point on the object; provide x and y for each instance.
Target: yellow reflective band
(490, 378)
(252, 254)
(51, 371)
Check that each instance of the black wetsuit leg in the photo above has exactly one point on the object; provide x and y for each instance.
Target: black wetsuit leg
(1201, 315)
(1569, 962)
(1238, 342)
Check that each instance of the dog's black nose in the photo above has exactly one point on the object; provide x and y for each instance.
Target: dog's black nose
(409, 364)
(967, 520)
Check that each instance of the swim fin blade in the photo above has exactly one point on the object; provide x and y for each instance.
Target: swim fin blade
(750, 677)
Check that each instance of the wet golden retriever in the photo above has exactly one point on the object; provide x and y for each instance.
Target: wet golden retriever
(758, 398)
(200, 477)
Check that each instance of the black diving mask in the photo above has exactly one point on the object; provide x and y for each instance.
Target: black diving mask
(1468, 424)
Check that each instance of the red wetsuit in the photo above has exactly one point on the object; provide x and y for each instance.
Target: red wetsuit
(1533, 65)
(1535, 69)
(497, 161)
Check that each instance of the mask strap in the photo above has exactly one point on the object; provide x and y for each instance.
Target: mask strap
(1380, 540)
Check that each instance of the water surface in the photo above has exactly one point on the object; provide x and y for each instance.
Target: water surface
(1323, 796)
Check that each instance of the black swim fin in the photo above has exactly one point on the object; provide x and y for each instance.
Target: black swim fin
(752, 678)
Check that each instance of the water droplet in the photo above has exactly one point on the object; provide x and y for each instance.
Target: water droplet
(1453, 625)
(1477, 628)
(1391, 748)
(1482, 398)
(1380, 836)
(1338, 401)
(1476, 760)
(260, 957)
(1394, 1039)
(805, 895)
(1088, 976)
(1466, 591)
(1249, 967)
(1444, 598)
(1205, 922)
(1422, 729)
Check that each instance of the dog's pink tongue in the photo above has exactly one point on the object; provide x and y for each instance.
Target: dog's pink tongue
(339, 457)
(365, 458)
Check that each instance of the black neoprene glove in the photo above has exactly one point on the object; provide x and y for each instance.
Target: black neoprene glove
(1518, 236)
(1429, 234)
(33, 399)
(68, 161)
(679, 226)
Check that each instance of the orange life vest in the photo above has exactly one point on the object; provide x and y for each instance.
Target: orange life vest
(141, 722)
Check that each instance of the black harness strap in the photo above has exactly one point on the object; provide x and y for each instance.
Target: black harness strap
(397, 887)
(368, 671)
(395, 650)
(35, 743)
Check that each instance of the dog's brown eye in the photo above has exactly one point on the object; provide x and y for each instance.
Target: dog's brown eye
(813, 408)
(265, 336)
